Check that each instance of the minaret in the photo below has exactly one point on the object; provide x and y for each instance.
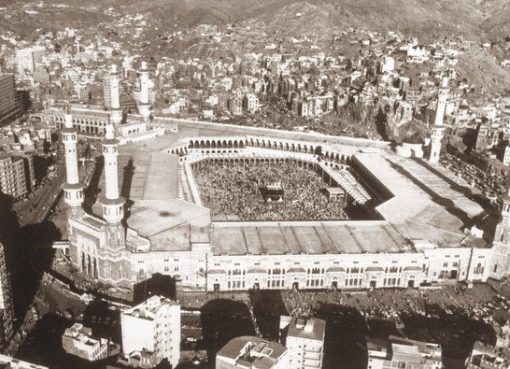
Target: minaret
(115, 111)
(113, 205)
(438, 128)
(503, 228)
(144, 107)
(73, 189)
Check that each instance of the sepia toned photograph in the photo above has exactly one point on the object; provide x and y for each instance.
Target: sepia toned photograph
(271, 184)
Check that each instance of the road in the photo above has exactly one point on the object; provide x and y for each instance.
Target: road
(45, 200)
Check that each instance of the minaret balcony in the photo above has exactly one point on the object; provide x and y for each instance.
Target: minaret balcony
(113, 209)
(73, 194)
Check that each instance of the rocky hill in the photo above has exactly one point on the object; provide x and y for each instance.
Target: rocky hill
(476, 19)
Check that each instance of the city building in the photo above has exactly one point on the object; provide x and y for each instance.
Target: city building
(6, 306)
(304, 339)
(12, 363)
(29, 58)
(106, 90)
(248, 352)
(16, 175)
(251, 103)
(235, 106)
(398, 352)
(506, 155)
(487, 357)
(8, 106)
(78, 340)
(152, 329)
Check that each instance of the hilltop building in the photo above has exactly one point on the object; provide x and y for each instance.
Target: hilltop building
(151, 332)
(252, 353)
(506, 155)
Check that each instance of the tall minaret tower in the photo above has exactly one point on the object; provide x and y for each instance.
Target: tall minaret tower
(501, 244)
(73, 189)
(144, 107)
(503, 228)
(115, 111)
(113, 205)
(438, 128)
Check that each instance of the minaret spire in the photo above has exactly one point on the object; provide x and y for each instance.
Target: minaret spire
(113, 205)
(115, 110)
(438, 128)
(73, 189)
(144, 107)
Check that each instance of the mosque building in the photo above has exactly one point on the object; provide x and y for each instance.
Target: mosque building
(148, 216)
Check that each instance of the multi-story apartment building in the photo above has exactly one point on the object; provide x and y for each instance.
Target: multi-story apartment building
(16, 175)
(78, 340)
(154, 329)
(248, 352)
(235, 106)
(304, 339)
(29, 58)
(7, 96)
(251, 103)
(6, 307)
(399, 352)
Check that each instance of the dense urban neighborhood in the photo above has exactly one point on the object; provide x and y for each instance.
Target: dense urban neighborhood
(280, 185)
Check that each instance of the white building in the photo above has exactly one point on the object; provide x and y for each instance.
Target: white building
(153, 326)
(398, 352)
(506, 155)
(251, 103)
(252, 353)
(78, 340)
(27, 59)
(388, 64)
(304, 338)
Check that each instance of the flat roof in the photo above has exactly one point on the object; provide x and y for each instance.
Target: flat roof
(145, 175)
(235, 348)
(424, 205)
(170, 225)
(241, 238)
(312, 329)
